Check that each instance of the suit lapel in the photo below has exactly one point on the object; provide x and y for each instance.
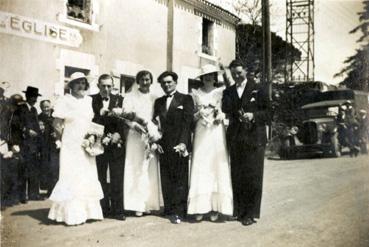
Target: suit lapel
(162, 107)
(246, 95)
(112, 102)
(175, 102)
(98, 102)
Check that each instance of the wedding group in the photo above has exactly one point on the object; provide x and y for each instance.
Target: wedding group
(196, 156)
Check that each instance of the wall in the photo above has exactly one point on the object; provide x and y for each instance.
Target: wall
(132, 36)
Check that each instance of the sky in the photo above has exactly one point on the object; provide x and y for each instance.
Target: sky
(333, 21)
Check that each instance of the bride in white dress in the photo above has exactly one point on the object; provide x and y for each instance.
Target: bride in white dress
(142, 191)
(210, 181)
(76, 196)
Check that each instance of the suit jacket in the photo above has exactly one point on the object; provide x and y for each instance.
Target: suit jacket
(22, 121)
(175, 123)
(111, 124)
(48, 139)
(254, 99)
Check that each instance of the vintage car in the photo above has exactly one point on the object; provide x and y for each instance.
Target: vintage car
(319, 133)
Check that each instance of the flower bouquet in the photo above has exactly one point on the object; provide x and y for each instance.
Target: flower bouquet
(112, 139)
(149, 131)
(210, 115)
(92, 141)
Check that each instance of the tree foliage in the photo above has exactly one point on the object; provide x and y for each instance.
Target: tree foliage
(356, 71)
(250, 50)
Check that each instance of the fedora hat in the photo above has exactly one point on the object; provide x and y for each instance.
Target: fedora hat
(208, 69)
(32, 91)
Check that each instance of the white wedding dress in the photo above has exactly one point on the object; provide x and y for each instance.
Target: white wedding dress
(210, 181)
(76, 196)
(142, 188)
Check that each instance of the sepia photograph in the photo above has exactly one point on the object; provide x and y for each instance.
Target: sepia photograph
(161, 123)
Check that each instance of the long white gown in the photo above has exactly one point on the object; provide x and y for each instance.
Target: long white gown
(76, 196)
(210, 181)
(142, 189)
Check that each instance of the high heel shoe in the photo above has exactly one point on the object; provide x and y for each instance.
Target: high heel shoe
(214, 216)
(199, 217)
(138, 214)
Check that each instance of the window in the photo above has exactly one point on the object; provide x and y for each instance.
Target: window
(79, 10)
(126, 83)
(207, 37)
(68, 71)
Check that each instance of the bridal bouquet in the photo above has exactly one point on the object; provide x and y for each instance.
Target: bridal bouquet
(112, 139)
(210, 115)
(149, 131)
(91, 143)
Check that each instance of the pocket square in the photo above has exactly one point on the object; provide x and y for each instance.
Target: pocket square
(252, 99)
(180, 107)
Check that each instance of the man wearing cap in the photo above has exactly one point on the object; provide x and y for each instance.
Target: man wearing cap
(174, 115)
(25, 131)
(103, 103)
(247, 107)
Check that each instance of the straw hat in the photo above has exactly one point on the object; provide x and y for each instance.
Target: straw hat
(208, 69)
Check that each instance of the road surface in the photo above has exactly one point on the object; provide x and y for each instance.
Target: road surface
(315, 202)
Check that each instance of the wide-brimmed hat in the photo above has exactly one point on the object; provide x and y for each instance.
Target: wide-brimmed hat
(4, 85)
(76, 76)
(208, 69)
(32, 91)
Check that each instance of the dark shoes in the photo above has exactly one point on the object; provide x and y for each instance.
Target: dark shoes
(116, 216)
(248, 221)
(121, 217)
(175, 219)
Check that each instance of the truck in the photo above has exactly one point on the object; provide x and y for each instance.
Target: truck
(316, 132)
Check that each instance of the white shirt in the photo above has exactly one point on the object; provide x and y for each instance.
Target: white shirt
(29, 106)
(169, 99)
(240, 88)
(105, 104)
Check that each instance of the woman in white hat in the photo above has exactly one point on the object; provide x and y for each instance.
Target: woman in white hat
(210, 183)
(76, 196)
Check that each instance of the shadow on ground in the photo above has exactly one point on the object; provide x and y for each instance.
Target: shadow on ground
(38, 214)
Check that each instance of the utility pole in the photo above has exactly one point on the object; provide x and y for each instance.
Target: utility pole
(267, 48)
(170, 30)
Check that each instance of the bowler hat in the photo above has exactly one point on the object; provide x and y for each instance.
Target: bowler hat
(32, 91)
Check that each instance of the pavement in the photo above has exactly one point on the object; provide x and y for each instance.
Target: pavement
(311, 202)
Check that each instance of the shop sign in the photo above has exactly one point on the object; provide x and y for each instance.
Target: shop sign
(39, 30)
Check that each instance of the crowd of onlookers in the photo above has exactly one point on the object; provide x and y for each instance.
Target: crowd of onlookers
(44, 151)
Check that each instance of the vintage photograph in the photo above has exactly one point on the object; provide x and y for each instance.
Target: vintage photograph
(161, 123)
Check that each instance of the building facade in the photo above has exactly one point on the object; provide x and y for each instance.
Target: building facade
(43, 42)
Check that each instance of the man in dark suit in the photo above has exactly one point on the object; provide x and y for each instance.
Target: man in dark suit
(113, 157)
(247, 107)
(49, 150)
(25, 133)
(174, 114)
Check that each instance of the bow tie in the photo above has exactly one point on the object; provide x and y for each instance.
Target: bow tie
(169, 96)
(105, 99)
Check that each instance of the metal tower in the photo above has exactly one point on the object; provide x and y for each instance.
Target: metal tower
(300, 34)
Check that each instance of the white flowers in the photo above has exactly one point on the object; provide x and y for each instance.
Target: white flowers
(92, 140)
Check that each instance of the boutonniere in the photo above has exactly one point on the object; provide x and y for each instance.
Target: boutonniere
(180, 107)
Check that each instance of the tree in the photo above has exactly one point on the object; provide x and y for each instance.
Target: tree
(249, 50)
(356, 71)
